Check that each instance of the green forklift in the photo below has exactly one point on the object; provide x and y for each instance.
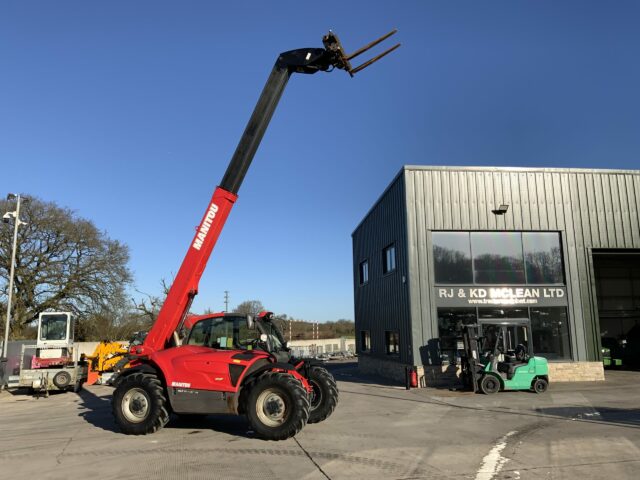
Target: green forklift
(498, 355)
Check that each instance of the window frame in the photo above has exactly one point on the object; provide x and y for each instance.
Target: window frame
(385, 268)
(365, 341)
(362, 278)
(522, 233)
(388, 335)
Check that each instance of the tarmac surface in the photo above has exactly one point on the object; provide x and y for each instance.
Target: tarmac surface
(378, 431)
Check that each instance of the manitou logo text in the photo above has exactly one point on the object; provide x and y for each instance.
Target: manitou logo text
(181, 384)
(205, 226)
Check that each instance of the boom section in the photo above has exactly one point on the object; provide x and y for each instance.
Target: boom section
(185, 285)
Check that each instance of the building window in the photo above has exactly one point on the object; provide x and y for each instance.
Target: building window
(389, 259)
(364, 272)
(450, 324)
(550, 330)
(543, 257)
(452, 257)
(497, 257)
(392, 342)
(365, 341)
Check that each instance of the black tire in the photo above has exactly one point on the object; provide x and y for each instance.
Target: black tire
(62, 379)
(540, 385)
(489, 385)
(324, 398)
(277, 406)
(139, 404)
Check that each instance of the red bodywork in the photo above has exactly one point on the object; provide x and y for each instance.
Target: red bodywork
(202, 368)
(37, 362)
(185, 285)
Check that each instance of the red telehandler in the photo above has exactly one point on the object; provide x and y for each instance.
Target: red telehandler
(230, 363)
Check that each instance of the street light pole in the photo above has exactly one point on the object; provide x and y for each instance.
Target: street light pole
(16, 224)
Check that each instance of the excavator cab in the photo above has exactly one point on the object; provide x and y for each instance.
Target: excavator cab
(54, 346)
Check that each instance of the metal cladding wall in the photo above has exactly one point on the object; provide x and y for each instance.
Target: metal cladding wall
(592, 209)
(383, 303)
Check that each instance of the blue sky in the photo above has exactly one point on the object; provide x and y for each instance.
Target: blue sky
(128, 113)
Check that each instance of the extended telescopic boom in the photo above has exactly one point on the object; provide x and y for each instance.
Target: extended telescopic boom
(185, 286)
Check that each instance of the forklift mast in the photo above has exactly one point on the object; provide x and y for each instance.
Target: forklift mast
(185, 285)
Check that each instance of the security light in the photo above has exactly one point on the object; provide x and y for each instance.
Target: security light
(501, 210)
(7, 216)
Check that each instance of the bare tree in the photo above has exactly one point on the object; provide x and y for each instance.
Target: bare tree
(149, 305)
(250, 307)
(62, 262)
(116, 321)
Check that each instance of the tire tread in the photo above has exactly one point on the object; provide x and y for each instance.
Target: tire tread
(159, 416)
(330, 401)
(300, 399)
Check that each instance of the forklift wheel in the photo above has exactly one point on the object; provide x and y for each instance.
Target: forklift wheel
(540, 385)
(489, 384)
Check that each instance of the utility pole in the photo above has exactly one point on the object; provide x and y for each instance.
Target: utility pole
(226, 300)
(16, 223)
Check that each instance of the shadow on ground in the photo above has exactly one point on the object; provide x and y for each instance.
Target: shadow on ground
(98, 413)
(348, 372)
(616, 416)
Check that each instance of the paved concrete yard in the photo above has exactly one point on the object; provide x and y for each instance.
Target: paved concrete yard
(378, 431)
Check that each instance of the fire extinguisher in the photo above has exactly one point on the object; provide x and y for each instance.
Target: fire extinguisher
(414, 378)
(411, 377)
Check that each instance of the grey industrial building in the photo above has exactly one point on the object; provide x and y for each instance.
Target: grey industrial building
(444, 246)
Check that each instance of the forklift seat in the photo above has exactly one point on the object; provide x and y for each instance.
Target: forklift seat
(509, 366)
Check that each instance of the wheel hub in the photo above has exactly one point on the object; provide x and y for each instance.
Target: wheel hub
(316, 395)
(135, 405)
(271, 408)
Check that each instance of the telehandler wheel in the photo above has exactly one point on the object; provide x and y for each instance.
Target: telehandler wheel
(325, 394)
(540, 385)
(489, 384)
(139, 404)
(277, 406)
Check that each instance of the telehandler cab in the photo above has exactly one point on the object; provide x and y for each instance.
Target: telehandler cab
(499, 356)
(210, 374)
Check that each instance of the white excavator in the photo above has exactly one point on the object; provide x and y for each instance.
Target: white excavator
(49, 364)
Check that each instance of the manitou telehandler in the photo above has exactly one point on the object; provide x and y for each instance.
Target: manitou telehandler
(230, 373)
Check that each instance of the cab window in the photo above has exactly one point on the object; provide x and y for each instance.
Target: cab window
(53, 327)
(222, 333)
